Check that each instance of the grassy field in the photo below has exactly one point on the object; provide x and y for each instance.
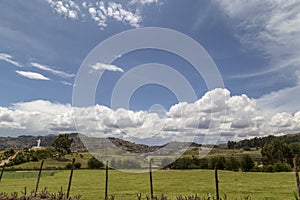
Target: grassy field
(90, 183)
(27, 174)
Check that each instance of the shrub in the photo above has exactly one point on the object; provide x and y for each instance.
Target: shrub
(278, 167)
(247, 164)
(8, 153)
(268, 168)
(94, 163)
(77, 165)
(220, 162)
(203, 163)
(233, 164)
(69, 166)
(34, 159)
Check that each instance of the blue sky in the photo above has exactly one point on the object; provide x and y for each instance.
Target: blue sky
(255, 46)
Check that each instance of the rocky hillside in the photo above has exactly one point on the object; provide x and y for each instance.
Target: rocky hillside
(25, 141)
(28, 141)
(22, 142)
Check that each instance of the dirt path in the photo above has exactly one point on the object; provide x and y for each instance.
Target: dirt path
(8, 159)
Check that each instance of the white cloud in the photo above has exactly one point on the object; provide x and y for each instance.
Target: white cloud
(66, 83)
(103, 67)
(285, 100)
(183, 121)
(67, 8)
(272, 27)
(49, 69)
(100, 12)
(33, 75)
(144, 2)
(8, 58)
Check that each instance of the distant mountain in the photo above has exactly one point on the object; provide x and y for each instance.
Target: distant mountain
(25, 141)
(77, 145)
(133, 147)
(28, 141)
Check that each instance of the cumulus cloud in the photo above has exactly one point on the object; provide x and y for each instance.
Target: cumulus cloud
(99, 12)
(33, 75)
(204, 118)
(67, 8)
(103, 67)
(8, 58)
(52, 71)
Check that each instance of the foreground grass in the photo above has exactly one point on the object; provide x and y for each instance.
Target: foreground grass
(90, 184)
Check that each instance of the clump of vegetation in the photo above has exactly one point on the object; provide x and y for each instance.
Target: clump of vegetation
(31, 156)
(7, 154)
(94, 163)
(245, 164)
(77, 165)
(62, 144)
(43, 195)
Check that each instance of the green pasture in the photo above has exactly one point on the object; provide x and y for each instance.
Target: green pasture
(91, 183)
(26, 174)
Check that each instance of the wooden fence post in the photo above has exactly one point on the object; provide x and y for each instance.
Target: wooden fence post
(71, 176)
(151, 181)
(106, 181)
(297, 175)
(217, 182)
(2, 171)
(39, 177)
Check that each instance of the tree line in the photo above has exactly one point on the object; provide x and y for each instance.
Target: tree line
(245, 164)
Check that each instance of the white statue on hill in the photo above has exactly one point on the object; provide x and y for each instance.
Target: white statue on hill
(38, 143)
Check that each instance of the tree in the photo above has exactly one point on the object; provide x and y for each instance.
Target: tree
(247, 163)
(277, 151)
(219, 161)
(62, 144)
(94, 163)
(203, 163)
(295, 150)
(9, 153)
(77, 165)
(232, 164)
(231, 144)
